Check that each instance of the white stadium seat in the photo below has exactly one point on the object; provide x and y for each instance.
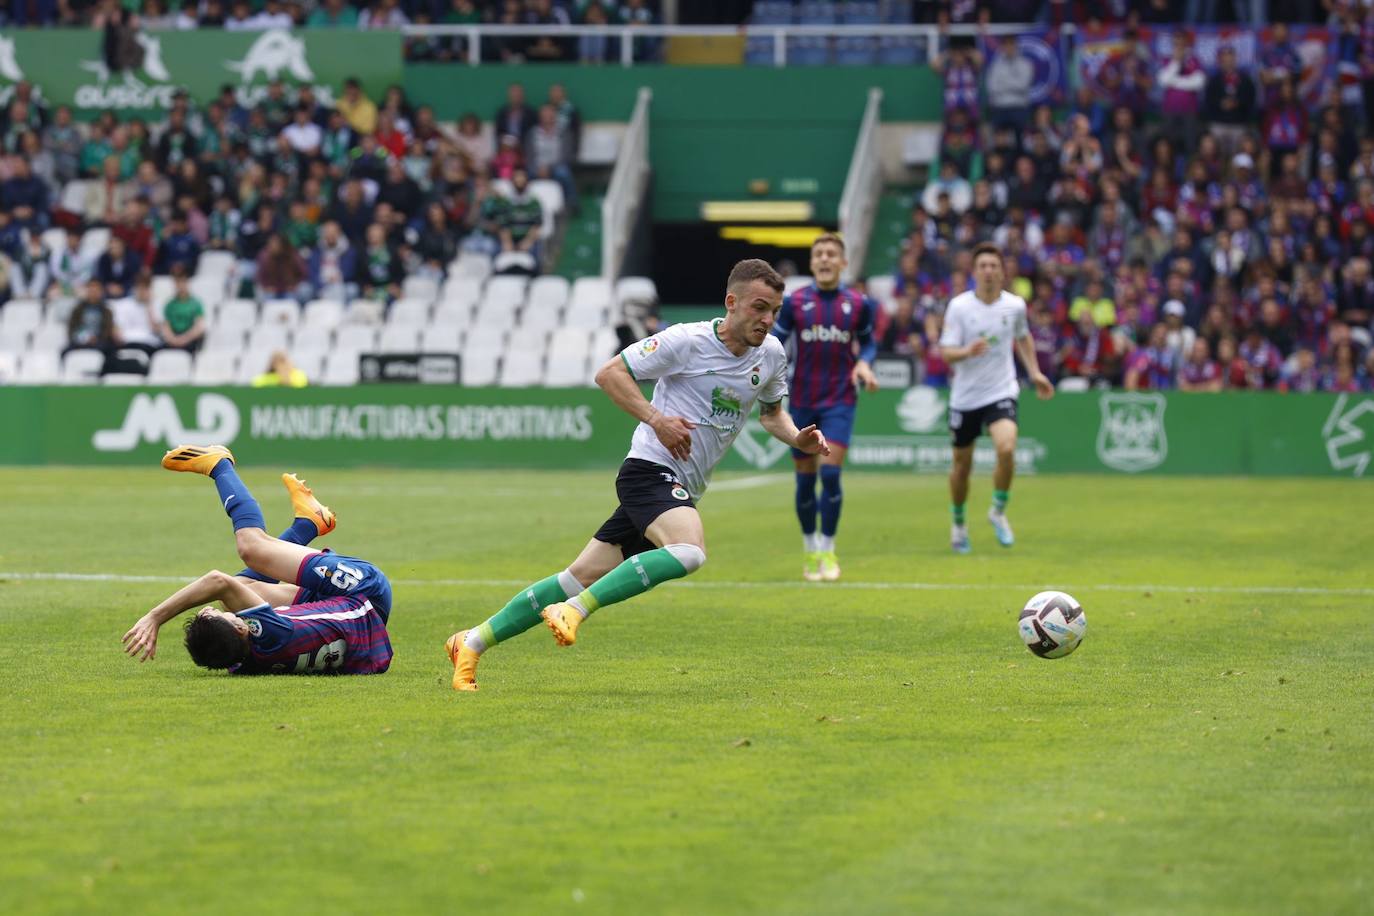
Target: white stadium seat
(20, 315)
(355, 337)
(549, 291)
(239, 313)
(496, 315)
(605, 344)
(567, 360)
(215, 263)
(637, 289)
(540, 317)
(479, 366)
(881, 288)
(399, 338)
(364, 311)
(794, 283)
(268, 338)
(460, 290)
(13, 340)
(322, 314)
(522, 367)
(505, 291)
(122, 379)
(425, 289)
(224, 339)
(442, 339)
(283, 312)
(170, 367)
(162, 289)
(484, 337)
(470, 266)
(94, 242)
(409, 311)
(600, 144)
(50, 338)
(311, 362)
(588, 292)
(9, 368)
(82, 366)
(340, 368)
(215, 367)
(41, 367)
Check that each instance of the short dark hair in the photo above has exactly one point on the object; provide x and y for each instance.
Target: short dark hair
(751, 269)
(983, 248)
(214, 642)
(833, 238)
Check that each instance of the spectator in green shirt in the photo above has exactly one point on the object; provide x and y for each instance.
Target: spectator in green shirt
(333, 14)
(521, 218)
(183, 319)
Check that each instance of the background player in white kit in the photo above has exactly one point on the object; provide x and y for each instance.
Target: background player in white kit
(982, 327)
(709, 375)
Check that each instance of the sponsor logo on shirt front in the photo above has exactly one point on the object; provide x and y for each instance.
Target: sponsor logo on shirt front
(725, 403)
(823, 333)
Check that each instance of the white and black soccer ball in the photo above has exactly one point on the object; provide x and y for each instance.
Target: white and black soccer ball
(1052, 624)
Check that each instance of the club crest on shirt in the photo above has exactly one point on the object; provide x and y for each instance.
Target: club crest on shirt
(649, 345)
(754, 376)
(254, 628)
(725, 403)
(321, 570)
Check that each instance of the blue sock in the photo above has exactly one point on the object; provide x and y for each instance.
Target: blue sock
(302, 531)
(831, 499)
(238, 503)
(806, 502)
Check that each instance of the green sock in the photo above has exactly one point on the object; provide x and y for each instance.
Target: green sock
(957, 511)
(999, 499)
(521, 612)
(635, 576)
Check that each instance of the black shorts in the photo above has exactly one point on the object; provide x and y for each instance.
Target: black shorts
(646, 491)
(967, 425)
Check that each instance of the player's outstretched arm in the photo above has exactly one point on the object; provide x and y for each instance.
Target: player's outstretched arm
(674, 432)
(1025, 348)
(779, 424)
(141, 640)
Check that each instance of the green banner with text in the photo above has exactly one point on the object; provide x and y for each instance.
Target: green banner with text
(68, 66)
(439, 426)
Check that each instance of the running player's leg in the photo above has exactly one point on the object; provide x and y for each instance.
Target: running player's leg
(312, 520)
(681, 550)
(959, 472)
(805, 498)
(806, 515)
(522, 611)
(1003, 435)
(837, 423)
(258, 550)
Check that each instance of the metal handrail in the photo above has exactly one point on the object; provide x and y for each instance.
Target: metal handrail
(861, 187)
(627, 182)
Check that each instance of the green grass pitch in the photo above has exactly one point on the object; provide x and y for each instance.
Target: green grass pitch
(740, 742)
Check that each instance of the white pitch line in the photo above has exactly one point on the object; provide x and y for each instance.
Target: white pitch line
(748, 483)
(829, 586)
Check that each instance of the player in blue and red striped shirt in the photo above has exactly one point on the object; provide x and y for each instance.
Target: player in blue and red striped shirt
(294, 610)
(833, 325)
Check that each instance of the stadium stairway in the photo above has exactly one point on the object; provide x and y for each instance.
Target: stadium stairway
(890, 227)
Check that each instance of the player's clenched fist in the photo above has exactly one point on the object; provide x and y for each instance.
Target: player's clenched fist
(675, 433)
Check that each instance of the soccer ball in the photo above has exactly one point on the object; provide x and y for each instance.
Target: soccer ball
(1052, 624)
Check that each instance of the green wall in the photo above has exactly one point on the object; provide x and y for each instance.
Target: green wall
(713, 129)
(1259, 433)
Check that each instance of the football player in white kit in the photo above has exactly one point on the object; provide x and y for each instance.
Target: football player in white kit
(982, 328)
(708, 376)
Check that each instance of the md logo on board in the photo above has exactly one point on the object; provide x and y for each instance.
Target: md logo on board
(1131, 437)
(154, 418)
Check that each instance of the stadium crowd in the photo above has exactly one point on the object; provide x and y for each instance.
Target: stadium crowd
(309, 201)
(1181, 228)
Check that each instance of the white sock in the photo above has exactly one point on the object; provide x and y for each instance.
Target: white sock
(576, 602)
(809, 542)
(825, 543)
(475, 642)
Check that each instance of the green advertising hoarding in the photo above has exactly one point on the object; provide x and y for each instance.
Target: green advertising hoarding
(438, 426)
(69, 67)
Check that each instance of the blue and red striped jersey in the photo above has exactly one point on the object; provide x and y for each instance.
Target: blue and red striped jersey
(343, 634)
(828, 324)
